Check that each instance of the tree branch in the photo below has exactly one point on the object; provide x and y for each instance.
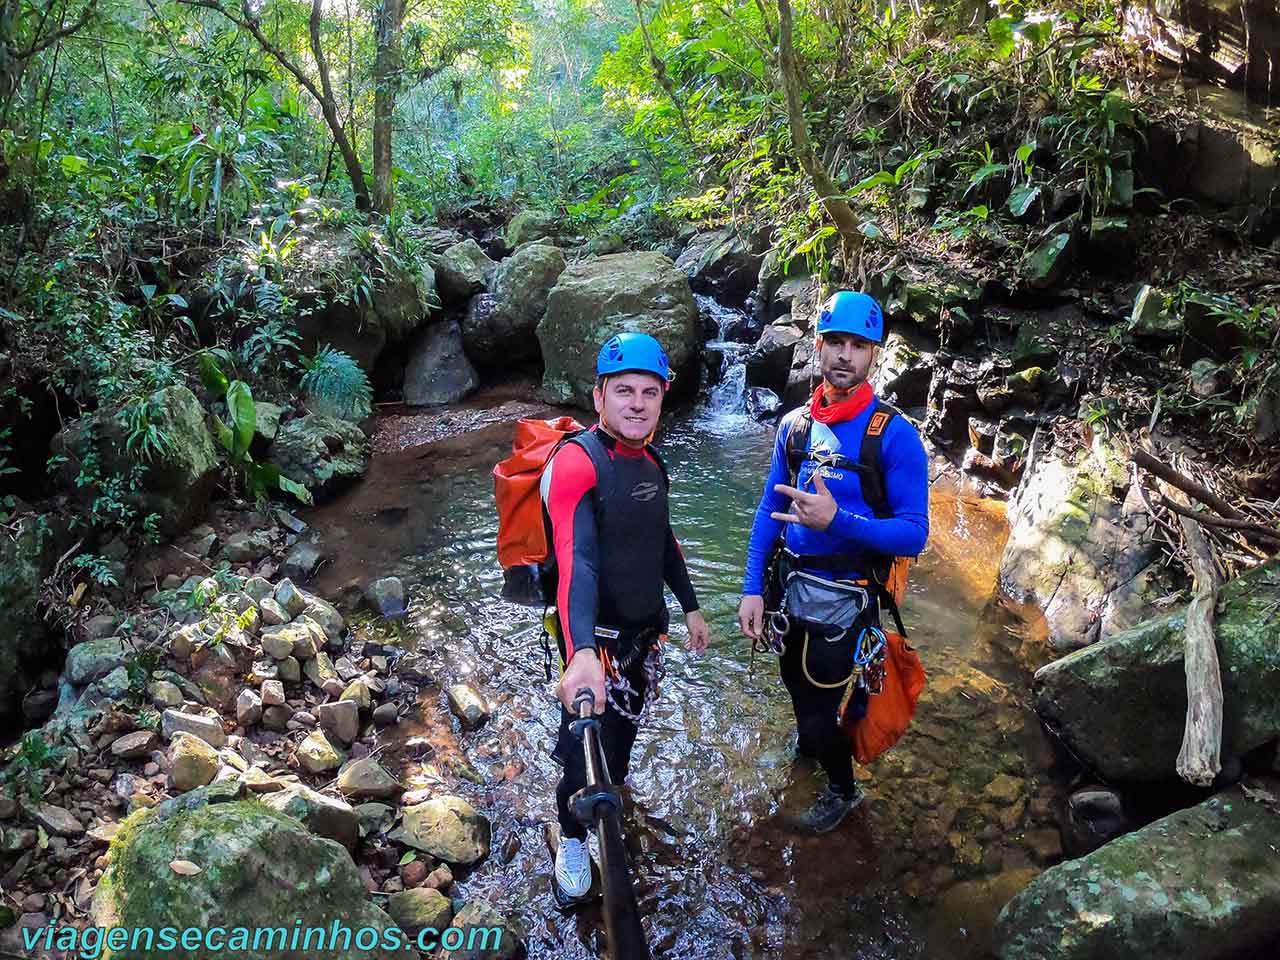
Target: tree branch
(1244, 526)
(47, 42)
(1145, 459)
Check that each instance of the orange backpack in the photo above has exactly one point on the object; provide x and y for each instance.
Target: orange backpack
(888, 713)
(523, 545)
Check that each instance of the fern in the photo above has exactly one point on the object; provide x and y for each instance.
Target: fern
(335, 386)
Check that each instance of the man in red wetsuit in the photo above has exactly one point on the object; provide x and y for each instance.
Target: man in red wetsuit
(605, 492)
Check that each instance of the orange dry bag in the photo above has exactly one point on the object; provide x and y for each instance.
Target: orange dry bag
(889, 711)
(523, 548)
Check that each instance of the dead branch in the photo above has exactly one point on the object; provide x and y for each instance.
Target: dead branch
(1244, 526)
(1146, 460)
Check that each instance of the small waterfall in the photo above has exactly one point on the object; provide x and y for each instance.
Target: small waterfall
(731, 405)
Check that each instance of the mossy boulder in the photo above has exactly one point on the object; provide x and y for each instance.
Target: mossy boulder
(1050, 262)
(594, 299)
(320, 452)
(530, 225)
(1119, 705)
(1199, 883)
(22, 630)
(503, 331)
(722, 263)
(1078, 533)
(257, 869)
(461, 271)
(173, 483)
(448, 828)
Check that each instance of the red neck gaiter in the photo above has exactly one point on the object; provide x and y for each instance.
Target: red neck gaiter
(842, 410)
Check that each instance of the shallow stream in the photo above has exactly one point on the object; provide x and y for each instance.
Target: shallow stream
(959, 815)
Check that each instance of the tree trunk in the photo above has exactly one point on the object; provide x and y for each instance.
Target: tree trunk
(386, 72)
(837, 208)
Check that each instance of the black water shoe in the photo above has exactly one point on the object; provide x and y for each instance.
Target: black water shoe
(828, 811)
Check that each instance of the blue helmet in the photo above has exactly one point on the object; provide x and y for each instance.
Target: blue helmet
(633, 353)
(849, 312)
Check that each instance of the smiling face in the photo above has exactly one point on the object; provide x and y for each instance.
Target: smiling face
(629, 406)
(845, 359)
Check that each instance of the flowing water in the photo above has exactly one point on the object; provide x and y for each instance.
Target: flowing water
(957, 814)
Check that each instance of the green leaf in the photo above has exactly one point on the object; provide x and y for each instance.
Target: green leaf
(1021, 198)
(244, 417)
(814, 240)
(211, 373)
(226, 439)
(883, 178)
(1000, 30)
(72, 165)
(177, 300)
(148, 291)
(408, 858)
(869, 230)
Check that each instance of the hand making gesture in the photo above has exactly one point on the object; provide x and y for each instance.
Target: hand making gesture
(813, 510)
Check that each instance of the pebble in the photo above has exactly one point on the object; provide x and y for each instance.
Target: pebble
(412, 874)
(386, 715)
(272, 693)
(441, 878)
(33, 903)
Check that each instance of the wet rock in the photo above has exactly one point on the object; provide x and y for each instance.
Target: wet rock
(100, 627)
(438, 371)
(272, 613)
(302, 561)
(206, 728)
(342, 719)
(319, 670)
(259, 588)
(419, 909)
(386, 715)
(441, 878)
(272, 693)
(962, 921)
(323, 815)
(58, 821)
(248, 708)
(93, 660)
(133, 746)
(769, 362)
(803, 377)
(290, 598)
(248, 546)
(448, 828)
(1095, 815)
(528, 225)
(646, 289)
(1101, 700)
(1197, 883)
(289, 670)
(367, 780)
(902, 373)
(192, 762)
(487, 934)
(467, 705)
(720, 262)
(317, 755)
(1048, 265)
(257, 866)
(386, 597)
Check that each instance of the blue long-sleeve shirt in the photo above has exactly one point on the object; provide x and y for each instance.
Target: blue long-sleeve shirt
(855, 527)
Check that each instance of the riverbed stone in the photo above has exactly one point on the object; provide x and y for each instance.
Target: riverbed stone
(302, 561)
(326, 616)
(529, 225)
(420, 909)
(259, 868)
(1119, 705)
(386, 597)
(497, 937)
(273, 615)
(365, 779)
(133, 746)
(461, 271)
(467, 704)
(192, 762)
(769, 362)
(319, 670)
(289, 670)
(290, 598)
(358, 692)
(207, 729)
(58, 820)
(259, 588)
(93, 660)
(248, 546)
(248, 708)
(317, 755)
(1198, 883)
(325, 816)
(341, 718)
(595, 299)
(448, 828)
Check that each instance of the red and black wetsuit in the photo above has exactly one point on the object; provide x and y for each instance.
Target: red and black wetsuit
(614, 550)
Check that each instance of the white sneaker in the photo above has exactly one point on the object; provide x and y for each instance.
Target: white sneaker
(573, 867)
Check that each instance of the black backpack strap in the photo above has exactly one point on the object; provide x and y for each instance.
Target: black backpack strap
(603, 463)
(869, 472)
(662, 465)
(797, 443)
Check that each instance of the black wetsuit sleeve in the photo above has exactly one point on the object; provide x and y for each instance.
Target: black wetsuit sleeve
(676, 574)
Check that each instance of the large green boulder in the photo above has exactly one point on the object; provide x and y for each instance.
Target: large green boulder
(1119, 705)
(529, 225)
(320, 452)
(1199, 883)
(22, 631)
(211, 859)
(173, 482)
(594, 299)
(503, 330)
(462, 270)
(1078, 535)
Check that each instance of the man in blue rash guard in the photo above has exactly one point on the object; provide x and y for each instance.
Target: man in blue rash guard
(830, 530)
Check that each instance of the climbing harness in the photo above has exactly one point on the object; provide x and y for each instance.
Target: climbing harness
(622, 696)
